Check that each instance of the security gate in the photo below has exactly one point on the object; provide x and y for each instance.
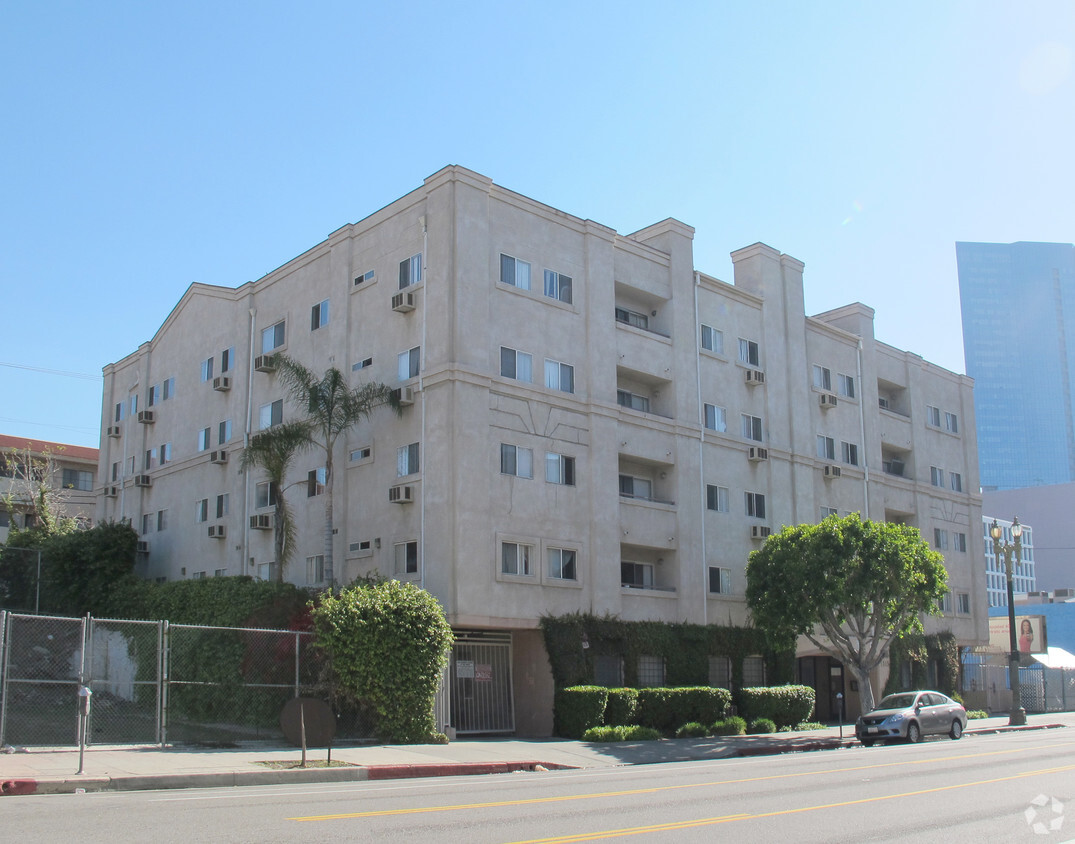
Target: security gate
(481, 683)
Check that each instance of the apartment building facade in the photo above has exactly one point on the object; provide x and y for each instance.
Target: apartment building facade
(70, 470)
(589, 424)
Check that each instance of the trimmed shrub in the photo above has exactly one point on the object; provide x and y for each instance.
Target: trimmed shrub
(733, 726)
(636, 733)
(976, 714)
(761, 725)
(667, 709)
(785, 706)
(579, 708)
(620, 733)
(810, 725)
(692, 729)
(622, 706)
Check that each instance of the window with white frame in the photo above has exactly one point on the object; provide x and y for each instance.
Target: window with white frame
(514, 272)
(223, 504)
(77, 479)
(716, 418)
(315, 481)
(516, 364)
(271, 414)
(963, 603)
(153, 396)
(632, 487)
(716, 498)
(264, 495)
(625, 398)
(559, 376)
(227, 359)
(635, 318)
(515, 559)
(850, 453)
(828, 511)
(130, 465)
(166, 453)
(956, 480)
(198, 575)
(755, 504)
(134, 404)
(516, 461)
(936, 476)
(151, 458)
(407, 460)
(940, 539)
(720, 581)
(826, 447)
(201, 510)
(636, 575)
(559, 469)
(272, 337)
(115, 471)
(224, 432)
(748, 352)
(944, 603)
(558, 286)
(846, 385)
(410, 271)
(162, 520)
(168, 389)
(750, 427)
(406, 554)
(650, 671)
(118, 415)
(753, 672)
(319, 315)
(315, 570)
(364, 278)
(712, 339)
(959, 542)
(720, 672)
(359, 454)
(933, 416)
(362, 364)
(147, 523)
(951, 422)
(408, 363)
(561, 563)
(207, 369)
(822, 377)
(204, 439)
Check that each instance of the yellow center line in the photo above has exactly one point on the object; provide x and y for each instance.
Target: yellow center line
(663, 788)
(676, 825)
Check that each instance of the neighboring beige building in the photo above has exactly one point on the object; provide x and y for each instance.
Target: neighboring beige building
(73, 470)
(591, 425)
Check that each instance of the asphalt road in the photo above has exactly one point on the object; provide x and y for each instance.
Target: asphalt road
(980, 789)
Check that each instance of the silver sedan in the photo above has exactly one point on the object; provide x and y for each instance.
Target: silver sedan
(910, 715)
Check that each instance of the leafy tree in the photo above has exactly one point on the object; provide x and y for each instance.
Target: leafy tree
(388, 643)
(273, 450)
(34, 489)
(332, 409)
(849, 586)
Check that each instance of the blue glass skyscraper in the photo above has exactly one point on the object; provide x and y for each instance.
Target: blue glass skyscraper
(1018, 308)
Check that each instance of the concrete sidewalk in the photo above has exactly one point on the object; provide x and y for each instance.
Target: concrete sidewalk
(125, 768)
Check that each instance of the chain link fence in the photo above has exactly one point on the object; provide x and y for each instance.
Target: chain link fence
(153, 682)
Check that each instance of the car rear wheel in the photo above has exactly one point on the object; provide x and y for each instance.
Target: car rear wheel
(866, 742)
(957, 730)
(914, 733)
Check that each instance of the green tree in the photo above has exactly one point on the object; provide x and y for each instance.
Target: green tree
(332, 408)
(849, 586)
(273, 450)
(34, 489)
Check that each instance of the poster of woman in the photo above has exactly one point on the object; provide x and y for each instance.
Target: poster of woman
(1026, 636)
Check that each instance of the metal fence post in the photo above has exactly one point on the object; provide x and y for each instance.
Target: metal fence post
(297, 640)
(4, 621)
(163, 684)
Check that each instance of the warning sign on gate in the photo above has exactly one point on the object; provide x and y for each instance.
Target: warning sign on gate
(483, 673)
(464, 669)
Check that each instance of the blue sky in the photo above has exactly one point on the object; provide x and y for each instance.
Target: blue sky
(148, 146)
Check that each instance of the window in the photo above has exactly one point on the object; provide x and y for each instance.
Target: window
(748, 352)
(516, 461)
(651, 671)
(147, 523)
(515, 559)
(629, 317)
(846, 384)
(130, 465)
(201, 510)
(319, 315)
(963, 603)
(407, 557)
(224, 432)
(410, 272)
(826, 448)
(751, 427)
(514, 272)
(753, 672)
(119, 412)
(151, 458)
(364, 278)
(115, 471)
(559, 376)
(162, 520)
(315, 481)
(227, 359)
(207, 369)
(561, 563)
(168, 389)
(631, 487)
(755, 505)
(720, 672)
(959, 542)
(716, 498)
(822, 378)
(271, 414)
(222, 502)
(166, 453)
(77, 479)
(558, 286)
(315, 569)
(362, 364)
(154, 395)
(933, 416)
(559, 469)
(712, 339)
(363, 453)
(944, 603)
(940, 539)
(272, 337)
(850, 453)
(628, 399)
(517, 365)
(5, 519)
(265, 495)
(716, 418)
(407, 460)
(204, 439)
(936, 476)
(408, 363)
(828, 511)
(198, 575)
(957, 481)
(720, 581)
(637, 575)
(219, 572)
(951, 423)
(134, 405)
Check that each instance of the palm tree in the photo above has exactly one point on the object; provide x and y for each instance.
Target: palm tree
(332, 408)
(273, 450)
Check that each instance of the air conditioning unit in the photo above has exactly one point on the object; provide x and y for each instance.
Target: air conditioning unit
(755, 376)
(218, 531)
(401, 494)
(114, 431)
(142, 547)
(222, 383)
(261, 522)
(111, 491)
(146, 417)
(760, 531)
(827, 400)
(404, 395)
(220, 457)
(882, 402)
(265, 363)
(403, 302)
(361, 549)
(833, 471)
(143, 480)
(756, 452)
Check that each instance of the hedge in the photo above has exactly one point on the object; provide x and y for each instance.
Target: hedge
(785, 706)
(579, 708)
(622, 707)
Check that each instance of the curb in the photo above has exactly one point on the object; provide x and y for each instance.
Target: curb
(451, 769)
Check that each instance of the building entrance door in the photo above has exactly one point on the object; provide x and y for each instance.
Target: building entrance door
(481, 694)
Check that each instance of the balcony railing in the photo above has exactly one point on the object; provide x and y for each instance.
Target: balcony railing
(650, 499)
(648, 588)
(636, 320)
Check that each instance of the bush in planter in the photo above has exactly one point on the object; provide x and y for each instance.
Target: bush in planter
(579, 708)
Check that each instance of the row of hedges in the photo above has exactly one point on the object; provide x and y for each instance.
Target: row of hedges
(579, 708)
(785, 706)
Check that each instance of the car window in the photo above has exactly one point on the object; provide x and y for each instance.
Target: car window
(902, 701)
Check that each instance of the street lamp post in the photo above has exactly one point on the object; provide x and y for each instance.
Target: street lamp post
(1017, 716)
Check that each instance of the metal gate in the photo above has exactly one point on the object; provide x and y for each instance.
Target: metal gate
(481, 695)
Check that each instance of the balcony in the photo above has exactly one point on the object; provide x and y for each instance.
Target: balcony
(644, 393)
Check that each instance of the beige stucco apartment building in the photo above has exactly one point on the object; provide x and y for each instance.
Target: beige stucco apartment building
(590, 425)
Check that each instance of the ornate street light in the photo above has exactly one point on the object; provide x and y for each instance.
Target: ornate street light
(1017, 715)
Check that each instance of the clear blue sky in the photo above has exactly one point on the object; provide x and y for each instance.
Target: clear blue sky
(146, 146)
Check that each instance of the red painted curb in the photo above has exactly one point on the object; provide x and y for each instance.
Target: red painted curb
(13, 787)
(451, 769)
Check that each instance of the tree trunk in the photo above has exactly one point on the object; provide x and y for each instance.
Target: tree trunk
(279, 527)
(865, 687)
(330, 572)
